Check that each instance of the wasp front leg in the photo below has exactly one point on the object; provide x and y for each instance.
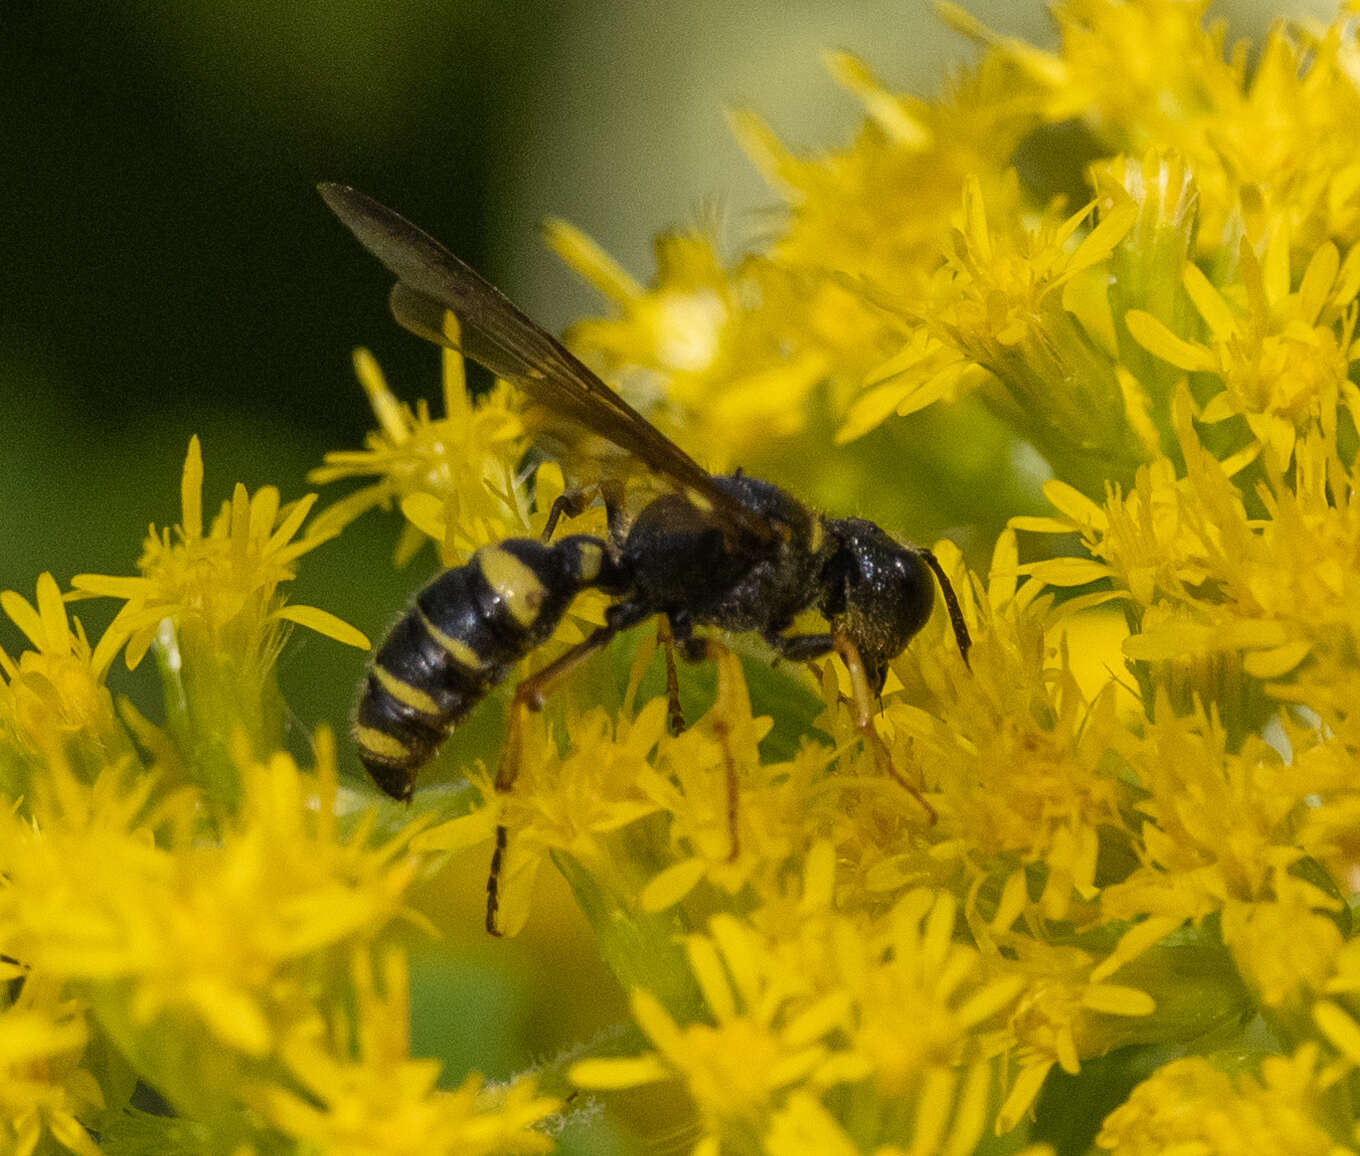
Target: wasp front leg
(862, 700)
(804, 648)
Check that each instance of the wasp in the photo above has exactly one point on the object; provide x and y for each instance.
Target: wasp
(731, 552)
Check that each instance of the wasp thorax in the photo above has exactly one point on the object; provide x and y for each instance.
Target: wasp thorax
(875, 591)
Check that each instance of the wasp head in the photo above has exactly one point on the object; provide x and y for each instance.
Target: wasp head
(875, 591)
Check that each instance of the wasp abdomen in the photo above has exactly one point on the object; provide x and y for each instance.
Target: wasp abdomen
(463, 635)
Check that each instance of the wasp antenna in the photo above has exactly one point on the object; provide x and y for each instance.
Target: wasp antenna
(951, 600)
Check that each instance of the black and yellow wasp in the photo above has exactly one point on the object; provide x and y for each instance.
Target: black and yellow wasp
(731, 552)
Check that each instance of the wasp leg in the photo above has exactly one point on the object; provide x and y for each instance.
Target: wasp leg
(616, 515)
(862, 699)
(803, 648)
(692, 649)
(530, 696)
(574, 503)
(730, 773)
(675, 717)
(717, 650)
(800, 647)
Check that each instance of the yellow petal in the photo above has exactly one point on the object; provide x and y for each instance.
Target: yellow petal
(671, 885)
(970, 1114)
(708, 969)
(621, 1073)
(584, 255)
(1275, 272)
(1022, 1094)
(324, 622)
(1137, 940)
(1037, 525)
(933, 1105)
(1004, 570)
(109, 586)
(1276, 662)
(1067, 571)
(23, 616)
(389, 412)
(1317, 282)
(1218, 408)
(53, 612)
(1339, 1028)
(990, 1000)
(871, 409)
(652, 1017)
(1158, 340)
(292, 520)
(1104, 237)
(1076, 505)
(1116, 1000)
(426, 513)
(1209, 302)
(191, 492)
(460, 833)
(886, 109)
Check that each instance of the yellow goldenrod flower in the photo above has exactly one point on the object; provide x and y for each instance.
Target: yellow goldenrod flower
(167, 935)
(461, 481)
(53, 702)
(220, 587)
(1006, 310)
(46, 1096)
(212, 600)
(1014, 754)
(1255, 606)
(1065, 1013)
(1286, 948)
(1283, 355)
(727, 358)
(1271, 138)
(1123, 826)
(355, 1089)
(880, 209)
(703, 351)
(1192, 1106)
(1218, 830)
(816, 1004)
(458, 479)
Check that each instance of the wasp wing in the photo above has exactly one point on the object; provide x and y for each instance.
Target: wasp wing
(430, 280)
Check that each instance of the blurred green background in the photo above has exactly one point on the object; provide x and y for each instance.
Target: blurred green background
(167, 269)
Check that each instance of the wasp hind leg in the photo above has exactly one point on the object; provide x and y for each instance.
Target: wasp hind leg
(574, 503)
(530, 695)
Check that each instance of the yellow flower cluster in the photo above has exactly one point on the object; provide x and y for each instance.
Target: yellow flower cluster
(182, 914)
(1125, 870)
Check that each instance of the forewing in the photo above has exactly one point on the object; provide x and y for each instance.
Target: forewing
(430, 280)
